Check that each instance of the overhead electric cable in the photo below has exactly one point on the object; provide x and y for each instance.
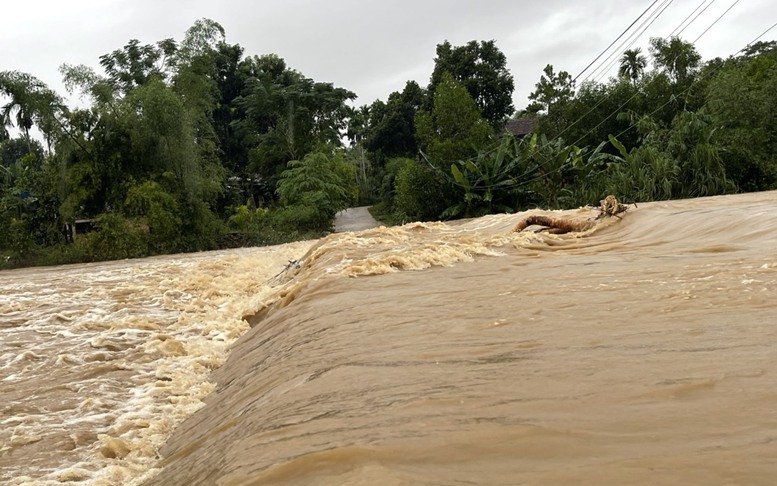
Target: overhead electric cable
(708, 74)
(616, 40)
(519, 183)
(660, 9)
(610, 65)
(635, 94)
(605, 66)
(762, 34)
(716, 21)
(619, 49)
(689, 16)
(705, 76)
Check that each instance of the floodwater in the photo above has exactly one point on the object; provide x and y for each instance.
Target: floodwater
(642, 351)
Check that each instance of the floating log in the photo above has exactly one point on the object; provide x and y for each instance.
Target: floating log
(609, 206)
(554, 225)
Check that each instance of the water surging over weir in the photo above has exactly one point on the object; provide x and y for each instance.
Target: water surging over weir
(641, 351)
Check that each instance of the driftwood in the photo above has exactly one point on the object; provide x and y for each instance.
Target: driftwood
(554, 225)
(608, 206)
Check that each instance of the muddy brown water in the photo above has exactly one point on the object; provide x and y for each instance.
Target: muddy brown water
(640, 352)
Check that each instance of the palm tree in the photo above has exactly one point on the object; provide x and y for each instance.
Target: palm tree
(18, 108)
(633, 64)
(29, 101)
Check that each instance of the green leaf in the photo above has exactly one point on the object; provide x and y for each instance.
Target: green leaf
(459, 177)
(614, 141)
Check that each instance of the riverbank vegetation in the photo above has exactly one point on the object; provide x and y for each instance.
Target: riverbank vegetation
(193, 145)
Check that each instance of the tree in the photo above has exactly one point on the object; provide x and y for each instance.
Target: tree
(742, 100)
(454, 129)
(390, 129)
(633, 64)
(694, 145)
(230, 82)
(30, 103)
(201, 39)
(482, 69)
(551, 90)
(287, 115)
(552, 94)
(677, 58)
(645, 173)
(592, 114)
(159, 211)
(135, 64)
(320, 183)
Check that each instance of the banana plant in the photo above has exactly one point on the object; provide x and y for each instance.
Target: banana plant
(553, 165)
(489, 181)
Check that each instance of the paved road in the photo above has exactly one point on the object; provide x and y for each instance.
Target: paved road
(354, 219)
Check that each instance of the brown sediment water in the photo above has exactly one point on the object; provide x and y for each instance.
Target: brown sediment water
(639, 352)
(99, 362)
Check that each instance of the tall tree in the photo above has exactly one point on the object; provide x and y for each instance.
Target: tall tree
(29, 102)
(482, 69)
(633, 64)
(391, 126)
(551, 90)
(454, 130)
(230, 82)
(552, 94)
(742, 98)
(286, 114)
(677, 58)
(136, 63)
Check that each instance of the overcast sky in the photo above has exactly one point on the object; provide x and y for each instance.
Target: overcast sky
(371, 48)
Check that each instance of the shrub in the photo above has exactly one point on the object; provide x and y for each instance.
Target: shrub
(421, 193)
(159, 211)
(114, 239)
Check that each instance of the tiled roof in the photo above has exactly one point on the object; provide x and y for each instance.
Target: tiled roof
(521, 126)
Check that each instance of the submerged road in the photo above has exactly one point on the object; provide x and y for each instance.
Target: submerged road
(354, 219)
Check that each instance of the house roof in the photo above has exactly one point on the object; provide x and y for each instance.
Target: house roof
(520, 126)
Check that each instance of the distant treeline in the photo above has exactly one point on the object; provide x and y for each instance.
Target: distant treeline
(192, 146)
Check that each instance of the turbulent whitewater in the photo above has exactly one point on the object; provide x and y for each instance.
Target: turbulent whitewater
(639, 352)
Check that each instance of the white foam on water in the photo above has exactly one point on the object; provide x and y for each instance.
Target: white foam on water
(105, 362)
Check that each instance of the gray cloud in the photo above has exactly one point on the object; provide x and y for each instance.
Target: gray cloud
(371, 48)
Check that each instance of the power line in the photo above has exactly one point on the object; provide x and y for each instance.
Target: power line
(708, 74)
(670, 35)
(762, 34)
(689, 16)
(517, 180)
(619, 49)
(660, 12)
(564, 166)
(616, 40)
(716, 21)
(635, 94)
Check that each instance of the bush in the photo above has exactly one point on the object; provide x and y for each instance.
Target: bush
(317, 181)
(201, 228)
(247, 220)
(114, 239)
(421, 193)
(160, 212)
(301, 218)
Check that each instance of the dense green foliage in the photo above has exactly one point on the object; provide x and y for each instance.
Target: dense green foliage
(682, 129)
(190, 146)
(183, 147)
(482, 69)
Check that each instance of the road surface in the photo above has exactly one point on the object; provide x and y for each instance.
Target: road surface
(354, 219)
